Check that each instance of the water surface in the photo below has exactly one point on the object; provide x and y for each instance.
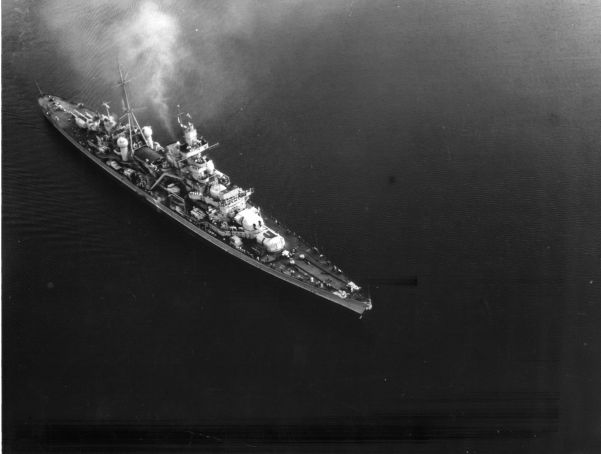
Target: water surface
(450, 141)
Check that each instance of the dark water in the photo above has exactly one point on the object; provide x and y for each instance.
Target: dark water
(455, 142)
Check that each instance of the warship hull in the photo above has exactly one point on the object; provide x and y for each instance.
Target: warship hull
(64, 125)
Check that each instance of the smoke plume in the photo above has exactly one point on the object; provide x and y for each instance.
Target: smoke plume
(142, 36)
(202, 55)
(153, 48)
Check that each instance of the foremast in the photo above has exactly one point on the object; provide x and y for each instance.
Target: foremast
(128, 110)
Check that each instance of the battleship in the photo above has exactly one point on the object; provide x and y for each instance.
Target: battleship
(182, 181)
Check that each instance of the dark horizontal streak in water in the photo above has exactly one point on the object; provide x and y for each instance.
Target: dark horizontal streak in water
(412, 281)
(136, 435)
(506, 417)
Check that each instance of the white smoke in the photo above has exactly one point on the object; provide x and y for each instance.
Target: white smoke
(153, 46)
(142, 36)
(212, 48)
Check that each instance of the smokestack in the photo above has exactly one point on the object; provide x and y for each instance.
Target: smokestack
(190, 135)
(147, 131)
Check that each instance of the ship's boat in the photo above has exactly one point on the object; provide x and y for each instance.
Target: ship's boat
(182, 182)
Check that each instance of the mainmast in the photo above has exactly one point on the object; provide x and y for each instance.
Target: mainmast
(129, 111)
